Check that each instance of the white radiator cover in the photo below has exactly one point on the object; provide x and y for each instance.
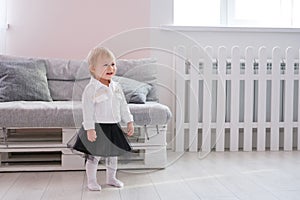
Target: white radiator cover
(242, 102)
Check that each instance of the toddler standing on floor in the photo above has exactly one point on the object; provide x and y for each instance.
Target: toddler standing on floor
(104, 106)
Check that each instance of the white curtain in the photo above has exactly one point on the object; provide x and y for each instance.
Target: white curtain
(3, 25)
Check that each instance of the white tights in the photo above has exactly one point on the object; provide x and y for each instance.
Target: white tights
(111, 170)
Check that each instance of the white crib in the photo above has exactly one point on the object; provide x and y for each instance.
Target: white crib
(237, 102)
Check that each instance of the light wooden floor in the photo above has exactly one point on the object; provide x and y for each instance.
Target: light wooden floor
(228, 175)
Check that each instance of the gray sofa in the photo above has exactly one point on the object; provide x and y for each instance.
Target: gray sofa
(40, 110)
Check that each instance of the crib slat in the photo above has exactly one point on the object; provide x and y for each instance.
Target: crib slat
(235, 98)
(262, 98)
(193, 99)
(275, 99)
(288, 99)
(180, 97)
(221, 96)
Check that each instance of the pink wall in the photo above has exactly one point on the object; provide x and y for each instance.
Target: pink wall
(69, 28)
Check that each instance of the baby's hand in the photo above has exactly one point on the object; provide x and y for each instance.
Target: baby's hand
(91, 135)
(130, 128)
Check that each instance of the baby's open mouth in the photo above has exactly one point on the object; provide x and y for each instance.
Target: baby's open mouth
(109, 73)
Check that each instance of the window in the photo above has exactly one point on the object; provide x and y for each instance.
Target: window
(196, 12)
(250, 13)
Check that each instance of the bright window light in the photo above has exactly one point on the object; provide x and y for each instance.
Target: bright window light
(248, 10)
(266, 13)
(296, 13)
(251, 13)
(196, 12)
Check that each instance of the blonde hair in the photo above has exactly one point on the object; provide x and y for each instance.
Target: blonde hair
(94, 54)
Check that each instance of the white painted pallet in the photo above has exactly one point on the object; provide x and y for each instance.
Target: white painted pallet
(43, 154)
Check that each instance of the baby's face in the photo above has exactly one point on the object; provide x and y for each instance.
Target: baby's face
(105, 68)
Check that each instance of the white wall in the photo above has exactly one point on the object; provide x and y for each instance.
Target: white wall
(2, 25)
(69, 28)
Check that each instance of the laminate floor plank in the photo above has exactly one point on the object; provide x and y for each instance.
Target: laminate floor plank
(7, 180)
(64, 185)
(144, 192)
(175, 190)
(210, 188)
(29, 186)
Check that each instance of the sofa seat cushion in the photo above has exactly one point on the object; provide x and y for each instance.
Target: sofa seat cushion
(151, 113)
(38, 113)
(68, 114)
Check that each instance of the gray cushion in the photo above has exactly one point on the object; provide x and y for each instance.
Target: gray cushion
(151, 113)
(143, 70)
(60, 69)
(69, 114)
(23, 80)
(39, 113)
(67, 90)
(135, 91)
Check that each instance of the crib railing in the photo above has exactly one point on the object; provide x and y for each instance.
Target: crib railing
(241, 102)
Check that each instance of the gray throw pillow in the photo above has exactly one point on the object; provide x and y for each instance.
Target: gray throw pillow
(143, 70)
(134, 91)
(23, 80)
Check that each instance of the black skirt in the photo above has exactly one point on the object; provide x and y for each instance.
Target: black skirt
(110, 141)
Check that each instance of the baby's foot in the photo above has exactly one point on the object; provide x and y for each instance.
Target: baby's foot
(94, 186)
(115, 182)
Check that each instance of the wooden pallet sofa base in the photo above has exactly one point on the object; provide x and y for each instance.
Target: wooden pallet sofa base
(22, 150)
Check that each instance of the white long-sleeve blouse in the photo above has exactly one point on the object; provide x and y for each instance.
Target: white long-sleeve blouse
(102, 104)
